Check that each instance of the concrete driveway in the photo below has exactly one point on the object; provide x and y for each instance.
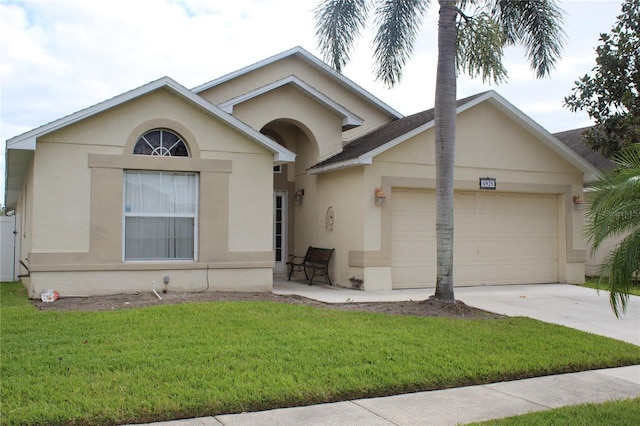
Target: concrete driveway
(569, 305)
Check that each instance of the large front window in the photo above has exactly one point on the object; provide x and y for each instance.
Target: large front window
(160, 215)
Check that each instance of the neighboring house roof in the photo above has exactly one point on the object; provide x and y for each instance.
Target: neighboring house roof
(19, 148)
(363, 149)
(349, 119)
(573, 139)
(314, 62)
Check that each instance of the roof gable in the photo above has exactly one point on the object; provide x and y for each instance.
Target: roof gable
(364, 149)
(19, 149)
(349, 119)
(27, 141)
(316, 63)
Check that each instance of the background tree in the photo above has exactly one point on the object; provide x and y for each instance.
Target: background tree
(610, 95)
(613, 210)
(471, 42)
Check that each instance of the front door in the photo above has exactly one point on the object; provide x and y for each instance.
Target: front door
(279, 230)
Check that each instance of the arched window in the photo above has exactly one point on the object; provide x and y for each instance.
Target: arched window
(160, 209)
(161, 142)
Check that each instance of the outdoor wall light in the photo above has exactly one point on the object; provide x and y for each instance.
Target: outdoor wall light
(578, 204)
(380, 196)
(299, 194)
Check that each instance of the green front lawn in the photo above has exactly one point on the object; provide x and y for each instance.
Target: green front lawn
(201, 359)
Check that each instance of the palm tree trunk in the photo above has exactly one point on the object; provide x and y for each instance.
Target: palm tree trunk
(445, 136)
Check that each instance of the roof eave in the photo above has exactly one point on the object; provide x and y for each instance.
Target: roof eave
(588, 170)
(28, 142)
(15, 171)
(349, 119)
(318, 170)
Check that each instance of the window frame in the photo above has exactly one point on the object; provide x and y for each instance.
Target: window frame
(161, 150)
(193, 215)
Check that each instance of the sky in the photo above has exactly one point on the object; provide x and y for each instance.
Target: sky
(61, 56)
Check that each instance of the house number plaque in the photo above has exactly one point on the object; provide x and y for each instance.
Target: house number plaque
(488, 183)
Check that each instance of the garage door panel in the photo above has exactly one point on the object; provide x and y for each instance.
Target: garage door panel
(465, 270)
(413, 277)
(505, 249)
(465, 226)
(465, 250)
(499, 238)
(413, 242)
(412, 253)
(505, 226)
(413, 224)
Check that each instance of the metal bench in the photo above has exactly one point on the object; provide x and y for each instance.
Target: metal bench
(315, 262)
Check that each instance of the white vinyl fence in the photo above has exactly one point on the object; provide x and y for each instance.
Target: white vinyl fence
(9, 248)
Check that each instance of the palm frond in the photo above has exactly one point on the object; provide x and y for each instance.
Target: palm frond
(338, 23)
(618, 270)
(480, 48)
(398, 23)
(537, 25)
(613, 210)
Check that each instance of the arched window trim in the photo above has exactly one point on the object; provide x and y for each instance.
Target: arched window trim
(154, 142)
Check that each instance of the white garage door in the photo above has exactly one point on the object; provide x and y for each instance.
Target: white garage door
(499, 238)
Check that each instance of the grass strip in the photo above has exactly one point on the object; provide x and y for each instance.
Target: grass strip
(592, 282)
(202, 359)
(624, 412)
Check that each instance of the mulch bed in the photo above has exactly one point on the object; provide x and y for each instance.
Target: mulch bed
(428, 308)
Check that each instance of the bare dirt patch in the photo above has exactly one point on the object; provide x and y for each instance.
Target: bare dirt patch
(429, 308)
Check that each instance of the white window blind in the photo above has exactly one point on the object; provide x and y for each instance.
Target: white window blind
(160, 215)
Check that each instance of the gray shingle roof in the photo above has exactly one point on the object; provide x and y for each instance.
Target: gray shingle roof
(573, 139)
(384, 134)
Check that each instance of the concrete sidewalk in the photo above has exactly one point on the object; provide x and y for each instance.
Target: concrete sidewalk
(572, 306)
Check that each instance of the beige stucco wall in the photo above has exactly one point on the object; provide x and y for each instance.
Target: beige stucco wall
(97, 283)
(289, 104)
(488, 144)
(335, 214)
(76, 212)
(63, 183)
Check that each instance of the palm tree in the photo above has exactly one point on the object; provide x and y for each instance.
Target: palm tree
(613, 210)
(469, 43)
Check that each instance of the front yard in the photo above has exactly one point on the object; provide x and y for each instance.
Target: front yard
(201, 359)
